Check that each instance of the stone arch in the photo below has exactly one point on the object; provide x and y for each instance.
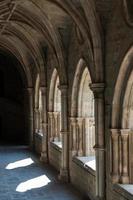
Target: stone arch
(6, 44)
(38, 105)
(96, 37)
(79, 70)
(54, 108)
(51, 90)
(32, 46)
(84, 84)
(124, 72)
(127, 112)
(43, 24)
(77, 77)
(57, 96)
(127, 124)
(37, 85)
(82, 119)
(121, 134)
(91, 32)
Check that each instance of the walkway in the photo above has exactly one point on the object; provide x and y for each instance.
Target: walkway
(22, 177)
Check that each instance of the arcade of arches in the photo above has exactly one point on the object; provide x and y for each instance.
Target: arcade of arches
(66, 89)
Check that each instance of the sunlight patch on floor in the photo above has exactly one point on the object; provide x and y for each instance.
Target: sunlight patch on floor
(20, 163)
(38, 182)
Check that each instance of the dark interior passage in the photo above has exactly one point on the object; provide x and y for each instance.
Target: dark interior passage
(13, 128)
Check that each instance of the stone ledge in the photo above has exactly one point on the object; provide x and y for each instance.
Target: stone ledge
(125, 190)
(56, 145)
(81, 161)
(39, 135)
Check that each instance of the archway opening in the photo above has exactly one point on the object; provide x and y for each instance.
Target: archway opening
(55, 109)
(13, 102)
(86, 114)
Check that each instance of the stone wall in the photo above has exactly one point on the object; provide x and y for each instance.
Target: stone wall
(38, 143)
(117, 192)
(83, 179)
(54, 156)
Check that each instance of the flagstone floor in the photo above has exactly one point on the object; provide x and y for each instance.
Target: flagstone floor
(23, 177)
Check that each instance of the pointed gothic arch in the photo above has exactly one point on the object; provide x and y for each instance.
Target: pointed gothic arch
(82, 113)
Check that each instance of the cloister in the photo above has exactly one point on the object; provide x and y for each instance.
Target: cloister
(66, 99)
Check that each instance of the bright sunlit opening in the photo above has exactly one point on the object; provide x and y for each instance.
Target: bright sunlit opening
(38, 182)
(20, 163)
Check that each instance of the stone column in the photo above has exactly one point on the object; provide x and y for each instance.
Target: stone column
(51, 127)
(98, 90)
(125, 155)
(64, 173)
(36, 121)
(115, 133)
(31, 130)
(44, 125)
(74, 136)
(80, 136)
(59, 127)
(57, 131)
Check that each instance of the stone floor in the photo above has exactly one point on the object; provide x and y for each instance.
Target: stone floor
(23, 177)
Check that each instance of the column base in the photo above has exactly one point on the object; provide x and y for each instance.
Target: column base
(64, 176)
(43, 157)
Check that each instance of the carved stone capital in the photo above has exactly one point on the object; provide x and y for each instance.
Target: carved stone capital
(125, 131)
(115, 133)
(98, 89)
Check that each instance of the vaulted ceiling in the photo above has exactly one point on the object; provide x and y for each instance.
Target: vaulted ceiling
(31, 28)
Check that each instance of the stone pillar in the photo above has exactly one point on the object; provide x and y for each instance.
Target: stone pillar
(59, 127)
(44, 125)
(125, 155)
(81, 132)
(51, 127)
(115, 133)
(98, 90)
(31, 130)
(73, 136)
(36, 120)
(57, 131)
(64, 173)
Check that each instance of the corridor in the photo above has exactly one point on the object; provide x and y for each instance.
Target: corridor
(23, 177)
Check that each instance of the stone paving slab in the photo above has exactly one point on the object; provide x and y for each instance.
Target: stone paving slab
(21, 180)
